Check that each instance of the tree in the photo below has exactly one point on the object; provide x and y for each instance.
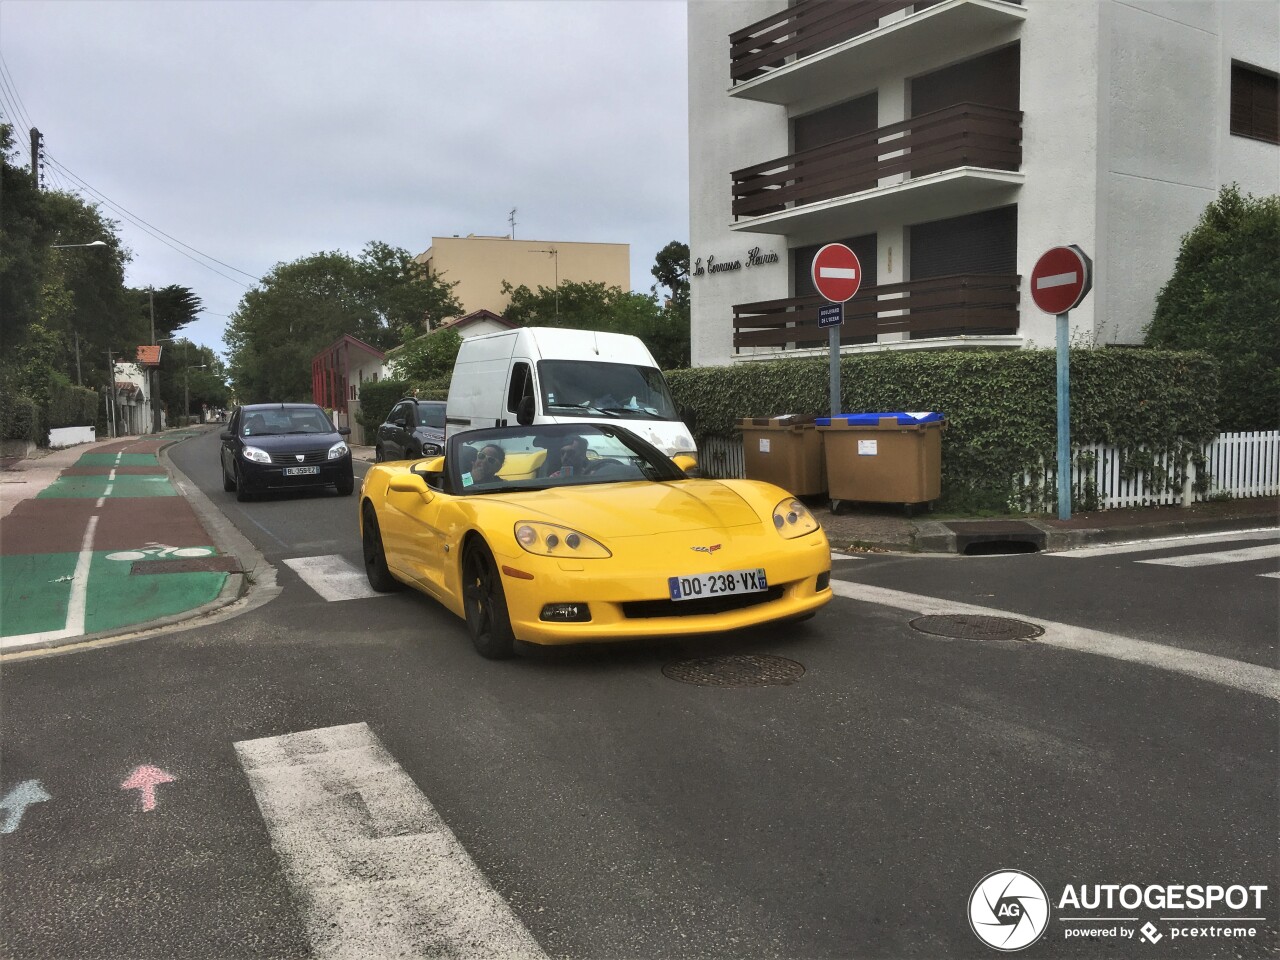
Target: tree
(1224, 299)
(428, 358)
(301, 307)
(175, 307)
(671, 268)
(593, 306)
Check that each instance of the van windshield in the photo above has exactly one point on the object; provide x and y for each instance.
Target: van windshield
(595, 389)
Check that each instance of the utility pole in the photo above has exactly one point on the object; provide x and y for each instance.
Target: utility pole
(155, 371)
(37, 156)
(556, 254)
(111, 393)
(512, 217)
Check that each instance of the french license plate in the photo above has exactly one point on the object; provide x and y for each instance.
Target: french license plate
(301, 471)
(699, 585)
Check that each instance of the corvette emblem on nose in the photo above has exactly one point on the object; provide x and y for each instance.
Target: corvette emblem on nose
(711, 549)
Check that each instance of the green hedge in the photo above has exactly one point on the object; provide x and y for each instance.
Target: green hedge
(25, 418)
(1001, 408)
(377, 397)
(71, 406)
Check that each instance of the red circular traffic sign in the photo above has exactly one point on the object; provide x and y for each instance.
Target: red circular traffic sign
(1061, 278)
(836, 272)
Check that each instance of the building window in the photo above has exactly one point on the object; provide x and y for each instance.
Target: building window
(1255, 104)
(353, 392)
(847, 119)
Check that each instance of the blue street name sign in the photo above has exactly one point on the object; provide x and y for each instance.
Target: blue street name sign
(831, 315)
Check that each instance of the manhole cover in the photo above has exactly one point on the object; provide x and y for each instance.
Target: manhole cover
(739, 670)
(972, 627)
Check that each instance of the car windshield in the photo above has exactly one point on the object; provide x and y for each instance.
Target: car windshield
(431, 415)
(283, 420)
(552, 455)
(595, 389)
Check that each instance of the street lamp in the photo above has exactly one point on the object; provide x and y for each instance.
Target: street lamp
(75, 332)
(186, 388)
(556, 254)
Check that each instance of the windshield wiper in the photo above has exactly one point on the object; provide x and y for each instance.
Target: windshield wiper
(633, 411)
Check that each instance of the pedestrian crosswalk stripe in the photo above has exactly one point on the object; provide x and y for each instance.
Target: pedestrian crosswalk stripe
(374, 868)
(1151, 546)
(1243, 555)
(333, 577)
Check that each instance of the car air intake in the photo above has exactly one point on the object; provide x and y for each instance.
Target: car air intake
(648, 609)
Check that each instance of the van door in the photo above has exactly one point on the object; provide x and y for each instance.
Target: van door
(519, 386)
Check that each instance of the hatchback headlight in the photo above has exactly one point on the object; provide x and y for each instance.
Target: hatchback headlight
(791, 518)
(551, 540)
(339, 449)
(256, 454)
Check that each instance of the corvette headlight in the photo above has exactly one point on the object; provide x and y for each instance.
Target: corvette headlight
(791, 518)
(339, 449)
(551, 540)
(256, 454)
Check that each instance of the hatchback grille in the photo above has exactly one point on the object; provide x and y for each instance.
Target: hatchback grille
(647, 609)
(310, 456)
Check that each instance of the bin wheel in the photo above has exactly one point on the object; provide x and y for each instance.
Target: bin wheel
(910, 509)
(836, 506)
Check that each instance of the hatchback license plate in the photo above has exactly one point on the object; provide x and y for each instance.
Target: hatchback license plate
(301, 471)
(698, 585)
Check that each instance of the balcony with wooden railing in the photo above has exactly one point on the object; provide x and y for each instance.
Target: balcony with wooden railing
(960, 305)
(965, 136)
(841, 44)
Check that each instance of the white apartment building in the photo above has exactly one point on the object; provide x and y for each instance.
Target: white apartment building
(950, 144)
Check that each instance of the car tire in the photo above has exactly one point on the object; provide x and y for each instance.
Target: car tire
(228, 481)
(242, 489)
(375, 557)
(377, 454)
(485, 603)
(345, 486)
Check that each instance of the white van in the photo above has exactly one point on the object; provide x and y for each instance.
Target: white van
(564, 376)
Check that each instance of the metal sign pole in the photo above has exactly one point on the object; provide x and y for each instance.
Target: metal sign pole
(1064, 421)
(833, 334)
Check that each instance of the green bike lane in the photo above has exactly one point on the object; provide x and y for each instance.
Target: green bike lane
(109, 545)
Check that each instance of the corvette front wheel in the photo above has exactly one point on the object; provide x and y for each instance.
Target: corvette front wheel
(486, 604)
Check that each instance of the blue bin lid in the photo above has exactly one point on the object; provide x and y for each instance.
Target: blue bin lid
(873, 419)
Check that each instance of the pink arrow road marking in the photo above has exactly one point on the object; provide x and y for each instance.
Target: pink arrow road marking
(146, 778)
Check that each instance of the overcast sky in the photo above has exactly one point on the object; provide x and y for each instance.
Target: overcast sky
(256, 133)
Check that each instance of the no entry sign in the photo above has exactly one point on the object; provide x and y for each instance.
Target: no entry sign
(1061, 279)
(836, 272)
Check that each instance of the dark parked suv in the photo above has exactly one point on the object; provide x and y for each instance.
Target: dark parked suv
(284, 446)
(414, 428)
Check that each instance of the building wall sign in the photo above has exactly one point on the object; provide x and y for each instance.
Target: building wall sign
(755, 258)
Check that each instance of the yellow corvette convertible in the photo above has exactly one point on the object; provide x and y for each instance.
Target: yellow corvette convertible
(573, 533)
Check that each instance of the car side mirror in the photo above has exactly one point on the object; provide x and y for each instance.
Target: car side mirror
(685, 462)
(225, 435)
(344, 431)
(524, 411)
(409, 482)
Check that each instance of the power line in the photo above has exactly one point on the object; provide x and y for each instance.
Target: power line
(157, 233)
(5, 74)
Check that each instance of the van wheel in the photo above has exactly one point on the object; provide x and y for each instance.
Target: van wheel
(488, 621)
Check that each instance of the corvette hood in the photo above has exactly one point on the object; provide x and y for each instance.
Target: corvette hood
(639, 509)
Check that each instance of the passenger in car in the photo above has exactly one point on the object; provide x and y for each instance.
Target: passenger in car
(488, 462)
(573, 457)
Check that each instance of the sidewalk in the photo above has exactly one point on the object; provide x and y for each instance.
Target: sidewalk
(879, 527)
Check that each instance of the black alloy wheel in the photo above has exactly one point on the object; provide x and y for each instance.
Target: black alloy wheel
(378, 456)
(228, 481)
(375, 558)
(242, 489)
(488, 621)
(345, 486)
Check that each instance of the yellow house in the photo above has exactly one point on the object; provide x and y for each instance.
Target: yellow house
(479, 265)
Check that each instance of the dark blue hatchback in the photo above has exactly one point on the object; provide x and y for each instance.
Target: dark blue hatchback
(284, 446)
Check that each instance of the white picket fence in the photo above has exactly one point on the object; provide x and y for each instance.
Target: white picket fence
(1240, 465)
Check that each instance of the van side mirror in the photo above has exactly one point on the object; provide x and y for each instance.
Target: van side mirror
(525, 411)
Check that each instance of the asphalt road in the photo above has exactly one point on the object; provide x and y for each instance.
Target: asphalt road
(584, 804)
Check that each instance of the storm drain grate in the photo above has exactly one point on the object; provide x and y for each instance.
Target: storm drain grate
(737, 670)
(974, 627)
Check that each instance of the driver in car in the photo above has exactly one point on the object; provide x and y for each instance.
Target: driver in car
(573, 457)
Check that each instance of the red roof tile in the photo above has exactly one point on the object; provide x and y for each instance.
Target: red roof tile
(149, 354)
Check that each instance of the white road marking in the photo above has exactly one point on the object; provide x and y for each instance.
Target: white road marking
(374, 868)
(1242, 555)
(333, 577)
(1137, 546)
(1250, 677)
(76, 602)
(843, 556)
(1056, 280)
